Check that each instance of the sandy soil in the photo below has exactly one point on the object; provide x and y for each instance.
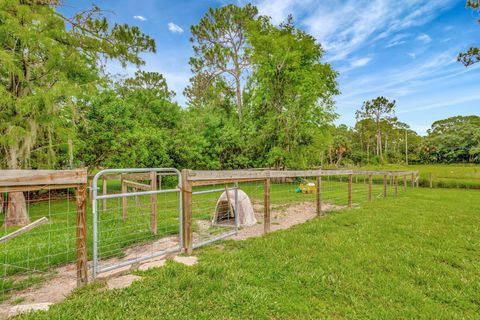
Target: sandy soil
(283, 217)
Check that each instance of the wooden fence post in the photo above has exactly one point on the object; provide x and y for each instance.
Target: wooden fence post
(153, 202)
(104, 192)
(124, 200)
(404, 183)
(266, 205)
(350, 190)
(370, 187)
(319, 196)
(187, 212)
(431, 180)
(81, 233)
(385, 186)
(413, 180)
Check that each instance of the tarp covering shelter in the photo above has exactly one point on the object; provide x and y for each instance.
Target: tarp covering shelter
(225, 215)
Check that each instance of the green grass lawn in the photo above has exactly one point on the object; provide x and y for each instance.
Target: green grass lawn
(410, 257)
(444, 175)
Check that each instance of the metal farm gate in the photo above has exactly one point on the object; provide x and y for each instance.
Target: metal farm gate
(134, 218)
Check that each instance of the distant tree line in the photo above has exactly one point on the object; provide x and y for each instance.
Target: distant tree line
(378, 137)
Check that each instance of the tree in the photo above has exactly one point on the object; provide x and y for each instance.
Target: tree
(471, 56)
(455, 139)
(365, 130)
(131, 124)
(341, 144)
(378, 109)
(220, 47)
(48, 65)
(289, 92)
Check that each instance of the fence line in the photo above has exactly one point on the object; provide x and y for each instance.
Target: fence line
(202, 178)
(270, 191)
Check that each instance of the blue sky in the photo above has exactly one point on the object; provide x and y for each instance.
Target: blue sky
(404, 50)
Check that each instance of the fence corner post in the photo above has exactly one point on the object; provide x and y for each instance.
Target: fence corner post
(319, 195)
(81, 235)
(266, 204)
(187, 212)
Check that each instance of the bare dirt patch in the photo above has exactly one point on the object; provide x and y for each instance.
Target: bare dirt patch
(283, 217)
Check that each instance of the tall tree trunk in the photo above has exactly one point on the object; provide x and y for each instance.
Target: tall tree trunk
(17, 214)
(16, 210)
(368, 152)
(386, 147)
(238, 93)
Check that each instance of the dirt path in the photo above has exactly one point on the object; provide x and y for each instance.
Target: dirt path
(283, 217)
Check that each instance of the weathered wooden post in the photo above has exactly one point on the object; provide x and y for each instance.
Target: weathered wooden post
(81, 233)
(350, 176)
(319, 196)
(153, 202)
(404, 183)
(385, 186)
(431, 180)
(370, 180)
(187, 212)
(266, 205)
(124, 199)
(413, 180)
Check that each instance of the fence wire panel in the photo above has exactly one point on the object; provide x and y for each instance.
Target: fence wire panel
(214, 213)
(292, 200)
(46, 243)
(137, 216)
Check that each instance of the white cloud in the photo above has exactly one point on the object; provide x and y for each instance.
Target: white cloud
(174, 28)
(279, 10)
(425, 38)
(342, 27)
(355, 63)
(398, 39)
(141, 18)
(412, 55)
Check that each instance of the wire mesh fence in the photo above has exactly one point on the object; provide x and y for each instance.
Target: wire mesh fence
(213, 213)
(34, 250)
(279, 199)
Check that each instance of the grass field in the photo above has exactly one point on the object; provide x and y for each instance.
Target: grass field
(414, 256)
(465, 176)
